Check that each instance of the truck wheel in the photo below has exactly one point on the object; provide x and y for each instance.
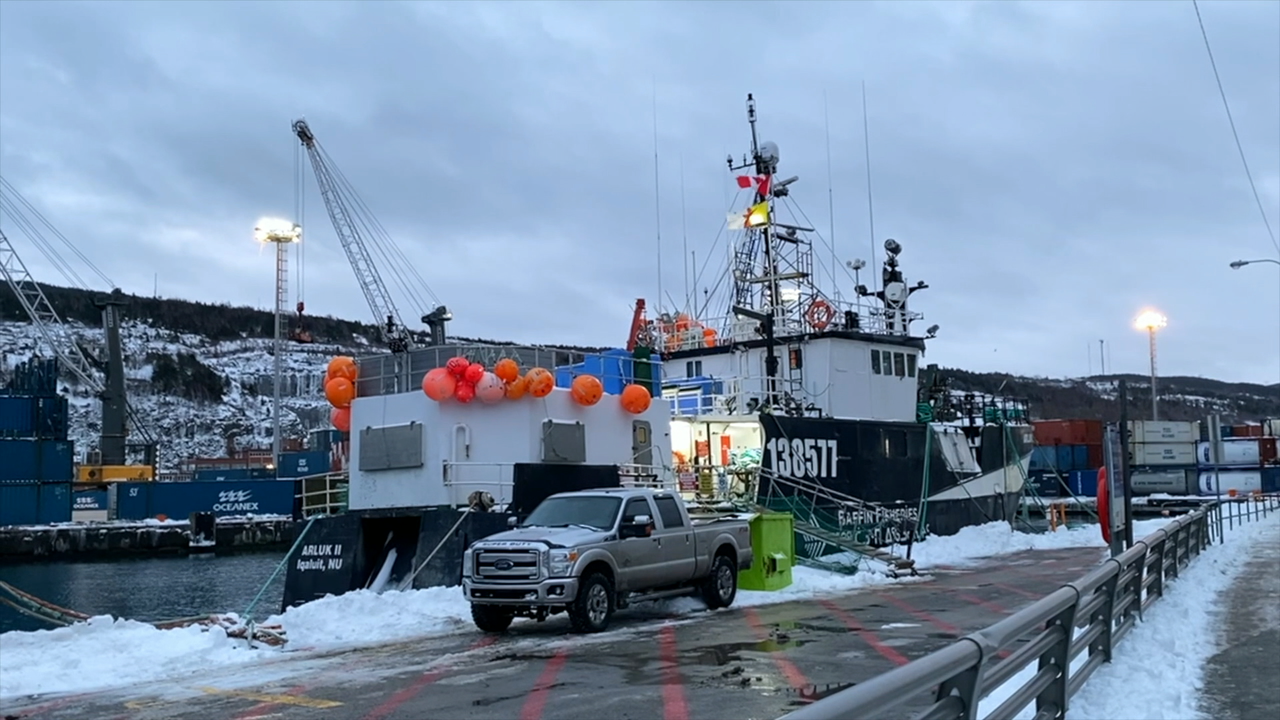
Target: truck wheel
(593, 607)
(721, 586)
(491, 618)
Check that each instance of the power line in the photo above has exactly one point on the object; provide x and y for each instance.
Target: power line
(1234, 134)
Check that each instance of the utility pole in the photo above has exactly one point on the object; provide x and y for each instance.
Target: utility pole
(282, 234)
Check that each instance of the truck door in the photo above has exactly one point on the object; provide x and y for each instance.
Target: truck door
(675, 542)
(639, 558)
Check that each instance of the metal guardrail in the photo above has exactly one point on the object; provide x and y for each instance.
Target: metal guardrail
(1090, 615)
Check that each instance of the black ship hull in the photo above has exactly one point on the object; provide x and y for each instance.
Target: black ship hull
(888, 481)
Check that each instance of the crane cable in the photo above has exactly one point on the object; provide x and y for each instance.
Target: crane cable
(1234, 133)
(21, 211)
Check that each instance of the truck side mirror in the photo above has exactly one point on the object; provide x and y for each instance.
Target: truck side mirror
(513, 521)
(640, 526)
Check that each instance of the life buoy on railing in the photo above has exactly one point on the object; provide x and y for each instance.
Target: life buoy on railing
(1104, 505)
(820, 314)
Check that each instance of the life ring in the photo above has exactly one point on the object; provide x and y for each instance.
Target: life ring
(820, 314)
(1104, 505)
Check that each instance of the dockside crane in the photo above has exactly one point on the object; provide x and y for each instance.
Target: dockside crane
(362, 236)
(104, 377)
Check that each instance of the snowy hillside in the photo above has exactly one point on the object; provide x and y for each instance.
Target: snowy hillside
(184, 427)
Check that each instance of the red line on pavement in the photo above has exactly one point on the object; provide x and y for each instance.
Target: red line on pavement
(939, 623)
(1019, 591)
(674, 706)
(261, 709)
(537, 700)
(994, 607)
(871, 639)
(794, 677)
(407, 693)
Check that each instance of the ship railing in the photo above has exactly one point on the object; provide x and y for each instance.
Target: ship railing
(325, 494)
(464, 479)
(388, 373)
(684, 333)
(742, 395)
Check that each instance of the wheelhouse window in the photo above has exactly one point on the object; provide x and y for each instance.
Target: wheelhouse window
(875, 362)
(911, 365)
(900, 364)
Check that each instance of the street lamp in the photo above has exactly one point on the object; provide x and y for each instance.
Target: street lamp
(1241, 263)
(1151, 321)
(283, 234)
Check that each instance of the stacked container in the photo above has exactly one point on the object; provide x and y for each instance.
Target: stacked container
(36, 459)
(1162, 457)
(1248, 461)
(1070, 450)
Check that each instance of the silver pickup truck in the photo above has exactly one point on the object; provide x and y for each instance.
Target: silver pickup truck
(591, 552)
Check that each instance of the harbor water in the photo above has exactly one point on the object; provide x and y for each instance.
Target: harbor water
(151, 588)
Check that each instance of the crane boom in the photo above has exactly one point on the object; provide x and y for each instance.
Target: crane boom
(385, 313)
(50, 326)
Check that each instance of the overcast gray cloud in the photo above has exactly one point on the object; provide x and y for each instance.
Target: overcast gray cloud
(1050, 168)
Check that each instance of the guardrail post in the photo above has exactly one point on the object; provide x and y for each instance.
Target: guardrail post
(1136, 583)
(965, 685)
(1059, 655)
(1106, 615)
(1158, 585)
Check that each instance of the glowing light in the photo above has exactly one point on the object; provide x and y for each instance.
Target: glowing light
(277, 230)
(1150, 320)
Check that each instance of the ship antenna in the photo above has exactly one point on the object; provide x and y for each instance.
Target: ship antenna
(871, 213)
(684, 239)
(657, 195)
(831, 202)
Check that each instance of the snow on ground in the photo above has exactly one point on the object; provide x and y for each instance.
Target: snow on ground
(1157, 670)
(97, 652)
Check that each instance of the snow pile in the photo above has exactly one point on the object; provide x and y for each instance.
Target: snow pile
(1157, 671)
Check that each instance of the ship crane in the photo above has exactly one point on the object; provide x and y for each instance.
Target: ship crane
(117, 413)
(362, 236)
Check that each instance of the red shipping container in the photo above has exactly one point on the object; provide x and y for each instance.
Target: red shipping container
(1267, 449)
(1068, 432)
(1246, 430)
(1095, 456)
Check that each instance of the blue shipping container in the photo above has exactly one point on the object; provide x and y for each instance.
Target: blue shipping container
(35, 504)
(301, 464)
(1083, 483)
(323, 440)
(89, 500)
(1270, 479)
(36, 460)
(52, 418)
(254, 473)
(1043, 458)
(17, 417)
(177, 500)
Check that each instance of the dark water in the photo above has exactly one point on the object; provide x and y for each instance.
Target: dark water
(159, 588)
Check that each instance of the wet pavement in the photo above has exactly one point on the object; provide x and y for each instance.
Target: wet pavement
(741, 663)
(1240, 679)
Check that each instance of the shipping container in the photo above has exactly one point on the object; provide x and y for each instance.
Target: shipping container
(140, 501)
(294, 465)
(1242, 482)
(52, 418)
(323, 440)
(1045, 484)
(114, 473)
(1236, 451)
(1173, 453)
(1174, 481)
(256, 473)
(1163, 431)
(35, 503)
(1269, 450)
(1247, 430)
(1043, 458)
(1271, 427)
(38, 378)
(1068, 432)
(89, 500)
(1270, 480)
(17, 416)
(36, 460)
(1083, 483)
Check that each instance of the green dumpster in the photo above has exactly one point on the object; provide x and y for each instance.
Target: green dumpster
(773, 542)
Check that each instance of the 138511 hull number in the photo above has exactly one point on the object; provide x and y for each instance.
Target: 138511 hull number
(802, 458)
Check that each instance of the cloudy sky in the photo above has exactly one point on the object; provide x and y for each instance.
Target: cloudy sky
(1050, 168)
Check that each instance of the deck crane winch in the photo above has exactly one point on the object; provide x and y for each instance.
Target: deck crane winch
(362, 236)
(117, 413)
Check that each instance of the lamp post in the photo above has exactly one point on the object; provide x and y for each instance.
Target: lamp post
(1151, 321)
(1241, 263)
(282, 234)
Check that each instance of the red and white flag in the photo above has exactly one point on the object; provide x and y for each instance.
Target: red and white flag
(759, 182)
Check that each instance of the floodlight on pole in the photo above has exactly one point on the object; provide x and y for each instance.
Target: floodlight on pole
(1151, 321)
(281, 233)
(1236, 265)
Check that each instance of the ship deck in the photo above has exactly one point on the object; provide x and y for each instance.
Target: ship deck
(743, 662)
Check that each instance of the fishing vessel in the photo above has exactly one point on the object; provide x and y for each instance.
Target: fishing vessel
(794, 396)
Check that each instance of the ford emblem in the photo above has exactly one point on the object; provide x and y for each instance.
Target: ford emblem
(503, 565)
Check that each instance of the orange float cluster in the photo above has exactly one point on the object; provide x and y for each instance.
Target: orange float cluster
(463, 381)
(340, 390)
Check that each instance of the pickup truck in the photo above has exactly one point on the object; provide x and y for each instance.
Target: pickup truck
(591, 552)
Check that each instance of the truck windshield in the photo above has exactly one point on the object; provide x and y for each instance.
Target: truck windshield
(594, 512)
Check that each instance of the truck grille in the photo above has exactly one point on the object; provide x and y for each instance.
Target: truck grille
(512, 565)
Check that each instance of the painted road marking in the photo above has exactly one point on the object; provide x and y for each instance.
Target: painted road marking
(408, 692)
(674, 706)
(537, 700)
(869, 637)
(794, 677)
(281, 699)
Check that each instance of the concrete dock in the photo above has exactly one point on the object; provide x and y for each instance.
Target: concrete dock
(743, 663)
(110, 539)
